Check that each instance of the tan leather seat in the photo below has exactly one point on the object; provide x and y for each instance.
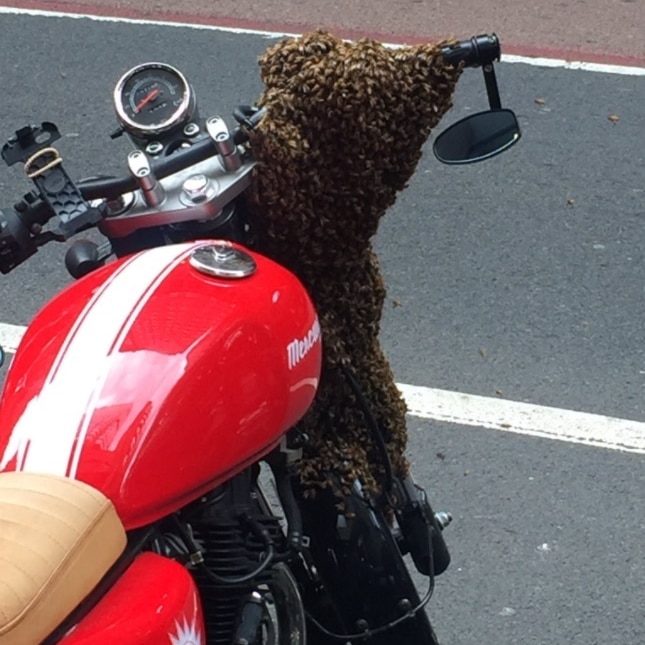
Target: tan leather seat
(58, 538)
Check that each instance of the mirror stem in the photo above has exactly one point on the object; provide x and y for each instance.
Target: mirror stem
(491, 87)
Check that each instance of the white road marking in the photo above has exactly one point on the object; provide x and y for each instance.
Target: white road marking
(10, 336)
(497, 414)
(575, 65)
(525, 418)
(527, 60)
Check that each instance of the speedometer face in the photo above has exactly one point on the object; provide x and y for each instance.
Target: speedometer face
(152, 98)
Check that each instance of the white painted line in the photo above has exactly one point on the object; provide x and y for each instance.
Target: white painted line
(526, 60)
(10, 336)
(575, 65)
(497, 414)
(525, 418)
(141, 21)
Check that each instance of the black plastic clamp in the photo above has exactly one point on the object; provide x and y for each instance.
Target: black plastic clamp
(43, 164)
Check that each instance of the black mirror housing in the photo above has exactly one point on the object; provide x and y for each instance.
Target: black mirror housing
(477, 137)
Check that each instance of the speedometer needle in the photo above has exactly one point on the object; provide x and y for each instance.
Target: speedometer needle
(144, 101)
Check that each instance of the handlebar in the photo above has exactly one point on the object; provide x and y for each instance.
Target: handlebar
(179, 160)
(113, 188)
(20, 228)
(477, 51)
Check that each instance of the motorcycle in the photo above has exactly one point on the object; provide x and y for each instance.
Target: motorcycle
(149, 422)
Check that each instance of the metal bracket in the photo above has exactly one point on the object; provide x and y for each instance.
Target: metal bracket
(224, 143)
(492, 90)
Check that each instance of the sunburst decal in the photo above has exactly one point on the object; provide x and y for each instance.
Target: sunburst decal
(186, 634)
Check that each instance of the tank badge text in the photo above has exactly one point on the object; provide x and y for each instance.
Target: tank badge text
(298, 348)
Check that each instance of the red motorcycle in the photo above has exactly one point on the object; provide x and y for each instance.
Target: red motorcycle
(152, 400)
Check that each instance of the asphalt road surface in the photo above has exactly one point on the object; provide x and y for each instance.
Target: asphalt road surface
(520, 278)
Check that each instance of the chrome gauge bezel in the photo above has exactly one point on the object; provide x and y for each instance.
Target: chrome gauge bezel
(176, 119)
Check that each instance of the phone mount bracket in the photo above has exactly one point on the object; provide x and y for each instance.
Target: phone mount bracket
(43, 164)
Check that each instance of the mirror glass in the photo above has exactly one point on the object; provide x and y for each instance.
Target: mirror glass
(1, 356)
(477, 137)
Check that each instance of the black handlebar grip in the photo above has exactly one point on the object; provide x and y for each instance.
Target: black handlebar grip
(16, 244)
(475, 52)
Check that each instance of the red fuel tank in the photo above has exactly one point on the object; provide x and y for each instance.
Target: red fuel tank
(154, 380)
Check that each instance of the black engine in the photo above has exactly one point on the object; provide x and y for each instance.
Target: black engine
(231, 547)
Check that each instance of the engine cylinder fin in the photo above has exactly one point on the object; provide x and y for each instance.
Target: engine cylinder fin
(230, 549)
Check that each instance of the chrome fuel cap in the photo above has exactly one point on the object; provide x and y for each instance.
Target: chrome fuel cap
(222, 261)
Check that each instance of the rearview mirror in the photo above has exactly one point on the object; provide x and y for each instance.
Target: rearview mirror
(477, 137)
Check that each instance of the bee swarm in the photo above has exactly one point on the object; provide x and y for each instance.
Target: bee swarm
(343, 133)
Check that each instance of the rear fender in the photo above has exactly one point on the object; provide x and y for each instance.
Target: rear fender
(155, 602)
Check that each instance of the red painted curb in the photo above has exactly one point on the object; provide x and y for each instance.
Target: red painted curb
(89, 9)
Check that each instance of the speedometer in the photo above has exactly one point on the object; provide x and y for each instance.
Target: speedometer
(153, 98)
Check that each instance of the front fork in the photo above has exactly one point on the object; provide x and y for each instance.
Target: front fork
(362, 587)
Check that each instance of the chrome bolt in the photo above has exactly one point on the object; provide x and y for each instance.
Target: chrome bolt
(191, 129)
(404, 604)
(154, 148)
(196, 188)
(119, 205)
(362, 625)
